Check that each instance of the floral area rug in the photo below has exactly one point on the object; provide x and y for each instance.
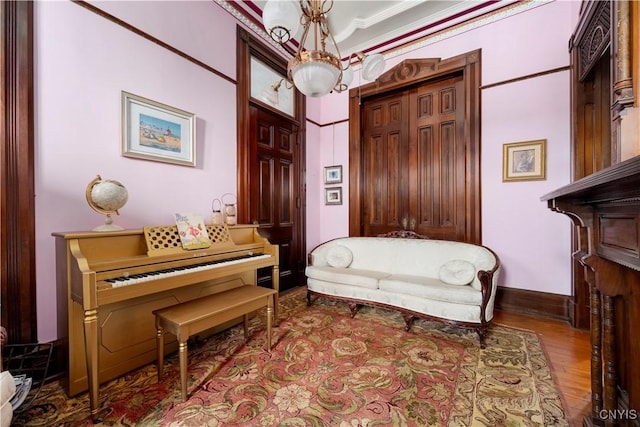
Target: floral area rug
(328, 369)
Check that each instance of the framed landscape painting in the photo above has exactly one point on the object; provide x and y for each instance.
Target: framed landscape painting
(524, 161)
(155, 131)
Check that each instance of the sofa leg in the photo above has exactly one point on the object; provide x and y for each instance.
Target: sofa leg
(482, 334)
(308, 299)
(408, 321)
(354, 309)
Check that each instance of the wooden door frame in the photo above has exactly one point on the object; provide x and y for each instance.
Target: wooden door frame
(412, 72)
(248, 46)
(17, 199)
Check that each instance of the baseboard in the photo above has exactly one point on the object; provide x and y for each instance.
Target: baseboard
(535, 303)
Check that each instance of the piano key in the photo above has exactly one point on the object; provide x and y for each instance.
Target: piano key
(127, 280)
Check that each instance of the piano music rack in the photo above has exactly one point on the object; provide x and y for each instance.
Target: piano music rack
(165, 240)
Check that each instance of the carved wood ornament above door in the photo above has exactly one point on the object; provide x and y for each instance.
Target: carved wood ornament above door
(437, 190)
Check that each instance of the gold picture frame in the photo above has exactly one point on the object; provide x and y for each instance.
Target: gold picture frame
(155, 131)
(524, 161)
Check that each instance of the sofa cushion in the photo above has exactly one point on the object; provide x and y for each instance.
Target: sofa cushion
(430, 288)
(457, 272)
(339, 256)
(350, 276)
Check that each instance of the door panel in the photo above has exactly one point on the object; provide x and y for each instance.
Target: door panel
(385, 149)
(265, 184)
(273, 203)
(437, 187)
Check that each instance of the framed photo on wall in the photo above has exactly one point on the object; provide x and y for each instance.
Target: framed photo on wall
(155, 131)
(333, 174)
(333, 196)
(524, 161)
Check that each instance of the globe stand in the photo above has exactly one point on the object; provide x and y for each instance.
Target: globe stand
(108, 225)
(106, 197)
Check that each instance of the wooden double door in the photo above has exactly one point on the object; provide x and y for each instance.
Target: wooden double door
(414, 161)
(414, 151)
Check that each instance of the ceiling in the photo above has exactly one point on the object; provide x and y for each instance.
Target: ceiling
(380, 25)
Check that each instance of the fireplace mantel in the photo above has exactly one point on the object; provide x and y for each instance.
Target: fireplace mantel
(605, 209)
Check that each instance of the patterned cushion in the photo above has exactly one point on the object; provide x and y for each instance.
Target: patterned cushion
(339, 256)
(457, 272)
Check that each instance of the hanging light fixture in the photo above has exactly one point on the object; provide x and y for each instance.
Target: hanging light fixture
(315, 71)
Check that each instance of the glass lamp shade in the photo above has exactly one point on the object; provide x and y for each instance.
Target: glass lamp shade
(372, 66)
(270, 96)
(281, 19)
(314, 73)
(347, 77)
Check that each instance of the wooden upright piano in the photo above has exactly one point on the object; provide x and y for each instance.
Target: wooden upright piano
(108, 284)
(605, 208)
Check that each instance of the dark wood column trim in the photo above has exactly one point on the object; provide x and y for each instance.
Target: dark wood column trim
(17, 218)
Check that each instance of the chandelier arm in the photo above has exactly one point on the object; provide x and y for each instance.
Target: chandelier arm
(307, 10)
(324, 2)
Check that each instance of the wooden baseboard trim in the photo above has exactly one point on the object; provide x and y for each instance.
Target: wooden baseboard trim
(542, 304)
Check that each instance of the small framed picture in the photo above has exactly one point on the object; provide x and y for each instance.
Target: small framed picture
(524, 161)
(333, 174)
(333, 196)
(155, 131)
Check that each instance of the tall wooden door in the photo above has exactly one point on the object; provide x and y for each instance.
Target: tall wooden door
(275, 199)
(414, 161)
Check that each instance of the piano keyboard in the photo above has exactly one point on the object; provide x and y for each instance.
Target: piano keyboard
(133, 279)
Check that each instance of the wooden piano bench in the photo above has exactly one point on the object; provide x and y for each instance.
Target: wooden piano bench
(191, 317)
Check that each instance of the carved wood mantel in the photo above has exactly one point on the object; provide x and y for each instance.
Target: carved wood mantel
(605, 208)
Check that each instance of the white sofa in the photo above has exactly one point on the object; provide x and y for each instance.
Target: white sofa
(443, 280)
(7, 390)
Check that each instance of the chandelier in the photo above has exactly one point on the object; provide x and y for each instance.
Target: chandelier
(315, 71)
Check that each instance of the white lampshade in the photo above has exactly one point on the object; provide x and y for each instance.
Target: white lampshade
(281, 19)
(372, 66)
(315, 78)
(347, 76)
(270, 96)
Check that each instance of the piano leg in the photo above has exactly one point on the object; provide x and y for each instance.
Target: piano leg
(91, 353)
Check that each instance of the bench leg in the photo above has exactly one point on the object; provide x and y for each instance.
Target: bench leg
(269, 316)
(183, 369)
(246, 326)
(160, 351)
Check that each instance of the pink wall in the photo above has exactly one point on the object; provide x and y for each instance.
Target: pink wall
(532, 242)
(83, 62)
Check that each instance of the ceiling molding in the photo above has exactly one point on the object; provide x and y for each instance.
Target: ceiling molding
(442, 24)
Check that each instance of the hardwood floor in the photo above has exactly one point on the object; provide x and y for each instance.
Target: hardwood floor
(568, 351)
